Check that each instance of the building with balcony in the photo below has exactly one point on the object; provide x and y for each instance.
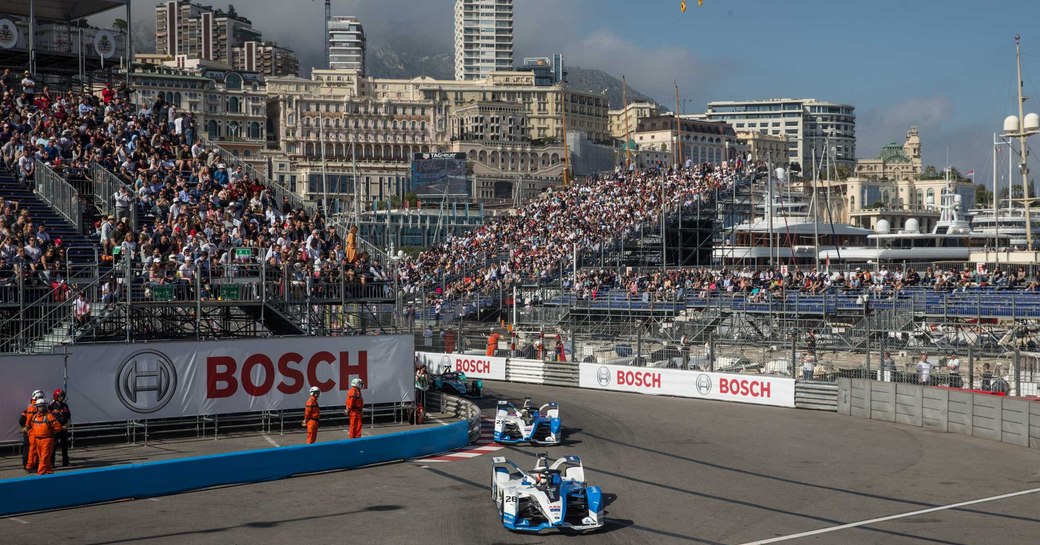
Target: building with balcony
(702, 141)
(766, 149)
(346, 44)
(625, 120)
(483, 38)
(811, 126)
(229, 107)
(194, 31)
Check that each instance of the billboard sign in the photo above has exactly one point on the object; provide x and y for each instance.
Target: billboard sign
(439, 174)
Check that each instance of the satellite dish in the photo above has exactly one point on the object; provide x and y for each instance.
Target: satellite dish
(912, 226)
(883, 227)
(1011, 123)
(1032, 122)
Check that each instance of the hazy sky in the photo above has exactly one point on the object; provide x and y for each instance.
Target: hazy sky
(944, 65)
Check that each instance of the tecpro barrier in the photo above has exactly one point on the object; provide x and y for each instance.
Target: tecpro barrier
(475, 366)
(24, 494)
(754, 389)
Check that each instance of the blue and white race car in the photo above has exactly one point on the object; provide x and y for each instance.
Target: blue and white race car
(456, 383)
(552, 495)
(528, 424)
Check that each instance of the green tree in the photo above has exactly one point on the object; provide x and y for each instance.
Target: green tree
(930, 173)
(120, 25)
(983, 196)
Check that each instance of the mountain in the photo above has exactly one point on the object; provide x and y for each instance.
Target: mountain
(405, 59)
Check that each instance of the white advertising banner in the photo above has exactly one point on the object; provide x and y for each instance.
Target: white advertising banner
(173, 379)
(487, 367)
(756, 389)
(19, 376)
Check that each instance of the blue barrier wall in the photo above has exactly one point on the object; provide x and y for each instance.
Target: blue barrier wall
(22, 495)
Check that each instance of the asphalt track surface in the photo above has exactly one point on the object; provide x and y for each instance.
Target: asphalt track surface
(674, 471)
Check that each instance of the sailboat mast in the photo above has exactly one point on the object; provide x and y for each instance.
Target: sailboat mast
(628, 128)
(815, 212)
(1023, 149)
(678, 129)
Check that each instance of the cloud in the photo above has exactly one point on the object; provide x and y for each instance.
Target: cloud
(652, 69)
(942, 132)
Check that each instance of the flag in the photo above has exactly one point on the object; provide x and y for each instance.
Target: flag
(682, 6)
(971, 173)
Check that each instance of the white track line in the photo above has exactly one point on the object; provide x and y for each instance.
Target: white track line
(892, 517)
(18, 520)
(272, 441)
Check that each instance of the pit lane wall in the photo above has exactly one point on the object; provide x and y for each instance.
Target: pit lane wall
(144, 480)
(987, 416)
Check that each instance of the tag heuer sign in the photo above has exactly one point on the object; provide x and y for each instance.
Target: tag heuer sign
(8, 34)
(104, 44)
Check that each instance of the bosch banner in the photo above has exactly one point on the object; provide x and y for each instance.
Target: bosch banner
(756, 389)
(474, 366)
(19, 377)
(173, 379)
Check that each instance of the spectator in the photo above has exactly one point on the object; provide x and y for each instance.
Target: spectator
(81, 311)
(924, 371)
(953, 366)
(888, 367)
(26, 168)
(987, 378)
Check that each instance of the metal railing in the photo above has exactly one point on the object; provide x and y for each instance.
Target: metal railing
(106, 184)
(59, 194)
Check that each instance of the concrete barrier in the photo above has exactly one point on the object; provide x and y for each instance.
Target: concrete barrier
(909, 404)
(985, 421)
(1034, 425)
(935, 406)
(882, 400)
(1010, 420)
(27, 494)
(1014, 421)
(960, 413)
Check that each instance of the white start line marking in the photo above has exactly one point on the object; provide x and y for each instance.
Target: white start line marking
(18, 520)
(892, 517)
(272, 441)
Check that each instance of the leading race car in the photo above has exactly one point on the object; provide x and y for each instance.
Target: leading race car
(552, 495)
(528, 424)
(456, 383)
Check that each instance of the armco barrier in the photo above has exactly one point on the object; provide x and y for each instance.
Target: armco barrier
(458, 407)
(542, 372)
(26, 494)
(817, 396)
(1009, 420)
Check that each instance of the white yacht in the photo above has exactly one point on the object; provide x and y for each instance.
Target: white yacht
(1008, 224)
(952, 239)
(784, 231)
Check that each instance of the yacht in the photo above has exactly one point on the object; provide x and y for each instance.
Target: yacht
(784, 230)
(952, 239)
(1004, 224)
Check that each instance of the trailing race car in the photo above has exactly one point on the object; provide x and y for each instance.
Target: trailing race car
(550, 496)
(528, 424)
(456, 383)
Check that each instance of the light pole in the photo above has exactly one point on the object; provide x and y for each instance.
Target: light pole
(1022, 127)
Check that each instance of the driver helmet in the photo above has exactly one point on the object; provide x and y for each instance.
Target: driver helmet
(59, 394)
(37, 394)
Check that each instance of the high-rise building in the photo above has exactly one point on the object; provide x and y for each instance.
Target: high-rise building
(346, 44)
(193, 31)
(812, 127)
(483, 38)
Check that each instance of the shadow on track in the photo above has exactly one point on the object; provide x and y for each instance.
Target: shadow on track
(257, 524)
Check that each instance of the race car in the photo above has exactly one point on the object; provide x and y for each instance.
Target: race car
(528, 424)
(552, 495)
(456, 383)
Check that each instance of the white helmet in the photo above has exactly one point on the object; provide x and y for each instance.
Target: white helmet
(357, 383)
(41, 401)
(37, 394)
(315, 391)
